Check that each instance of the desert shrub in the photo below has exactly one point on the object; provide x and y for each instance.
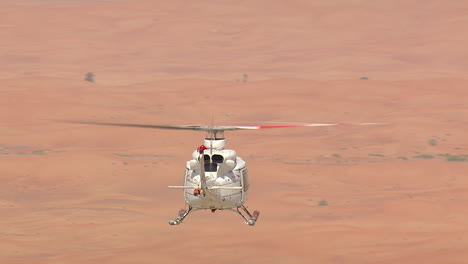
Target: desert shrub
(322, 202)
(432, 142)
(457, 158)
(89, 77)
(423, 156)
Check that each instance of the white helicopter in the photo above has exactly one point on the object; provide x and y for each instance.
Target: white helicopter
(216, 178)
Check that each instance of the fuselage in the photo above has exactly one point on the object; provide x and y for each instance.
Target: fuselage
(225, 175)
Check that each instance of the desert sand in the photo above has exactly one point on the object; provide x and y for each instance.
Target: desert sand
(394, 193)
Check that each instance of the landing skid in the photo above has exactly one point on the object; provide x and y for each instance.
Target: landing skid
(182, 214)
(252, 218)
(249, 218)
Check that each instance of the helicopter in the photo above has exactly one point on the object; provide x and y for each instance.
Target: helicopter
(215, 178)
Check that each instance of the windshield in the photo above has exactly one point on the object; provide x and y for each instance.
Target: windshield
(211, 166)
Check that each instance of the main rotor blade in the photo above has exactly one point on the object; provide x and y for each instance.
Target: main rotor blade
(173, 127)
(307, 125)
(217, 128)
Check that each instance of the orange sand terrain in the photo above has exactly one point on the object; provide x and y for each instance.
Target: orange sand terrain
(394, 193)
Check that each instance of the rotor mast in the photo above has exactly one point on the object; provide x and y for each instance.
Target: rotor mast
(215, 134)
(215, 139)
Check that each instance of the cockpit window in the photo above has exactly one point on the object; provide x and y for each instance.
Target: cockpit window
(217, 158)
(211, 167)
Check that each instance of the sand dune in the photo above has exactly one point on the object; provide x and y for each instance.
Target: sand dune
(395, 193)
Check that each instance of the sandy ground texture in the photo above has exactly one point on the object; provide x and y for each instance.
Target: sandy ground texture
(394, 193)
